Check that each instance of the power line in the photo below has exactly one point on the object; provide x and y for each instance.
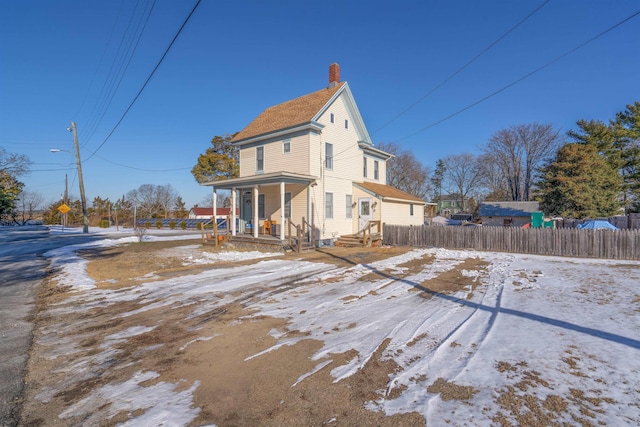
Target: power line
(526, 76)
(498, 40)
(141, 169)
(147, 81)
(115, 79)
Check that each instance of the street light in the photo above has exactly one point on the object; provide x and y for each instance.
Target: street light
(83, 201)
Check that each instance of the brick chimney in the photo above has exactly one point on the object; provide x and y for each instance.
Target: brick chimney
(334, 75)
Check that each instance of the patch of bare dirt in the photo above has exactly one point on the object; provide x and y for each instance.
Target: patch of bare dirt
(451, 391)
(455, 279)
(520, 406)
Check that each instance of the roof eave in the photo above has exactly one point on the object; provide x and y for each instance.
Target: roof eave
(312, 125)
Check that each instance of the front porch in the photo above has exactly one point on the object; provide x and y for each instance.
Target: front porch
(299, 237)
(266, 202)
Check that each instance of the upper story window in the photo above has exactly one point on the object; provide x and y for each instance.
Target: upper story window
(376, 170)
(259, 159)
(364, 167)
(332, 118)
(411, 209)
(328, 155)
(286, 146)
(346, 124)
(349, 206)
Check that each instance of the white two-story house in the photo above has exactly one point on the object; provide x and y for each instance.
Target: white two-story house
(312, 157)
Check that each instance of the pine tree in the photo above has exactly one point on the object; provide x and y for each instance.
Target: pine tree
(579, 183)
(619, 143)
(221, 161)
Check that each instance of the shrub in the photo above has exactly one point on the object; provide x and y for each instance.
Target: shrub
(158, 224)
(140, 233)
(104, 223)
(172, 224)
(183, 225)
(147, 224)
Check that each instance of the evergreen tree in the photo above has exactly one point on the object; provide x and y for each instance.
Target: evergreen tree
(619, 143)
(437, 179)
(579, 183)
(219, 162)
(180, 209)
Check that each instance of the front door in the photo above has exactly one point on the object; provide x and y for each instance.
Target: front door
(364, 212)
(247, 211)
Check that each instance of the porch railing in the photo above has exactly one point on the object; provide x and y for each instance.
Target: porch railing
(217, 236)
(305, 230)
(367, 235)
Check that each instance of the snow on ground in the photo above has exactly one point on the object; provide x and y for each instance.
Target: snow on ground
(551, 330)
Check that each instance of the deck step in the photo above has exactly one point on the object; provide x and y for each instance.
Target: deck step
(355, 240)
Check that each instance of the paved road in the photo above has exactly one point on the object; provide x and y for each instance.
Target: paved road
(22, 268)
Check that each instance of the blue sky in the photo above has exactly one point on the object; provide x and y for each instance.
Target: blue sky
(234, 59)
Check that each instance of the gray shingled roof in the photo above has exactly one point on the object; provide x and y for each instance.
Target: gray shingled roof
(510, 209)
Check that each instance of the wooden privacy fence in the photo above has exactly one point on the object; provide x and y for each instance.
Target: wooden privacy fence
(612, 244)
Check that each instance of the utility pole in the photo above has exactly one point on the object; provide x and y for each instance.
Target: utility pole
(66, 197)
(85, 218)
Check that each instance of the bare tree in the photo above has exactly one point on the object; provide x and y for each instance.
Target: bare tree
(493, 179)
(146, 200)
(518, 152)
(166, 196)
(462, 175)
(405, 172)
(28, 204)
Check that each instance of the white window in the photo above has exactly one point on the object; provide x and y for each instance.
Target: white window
(287, 205)
(286, 146)
(375, 170)
(261, 206)
(328, 205)
(259, 159)
(349, 206)
(364, 167)
(328, 155)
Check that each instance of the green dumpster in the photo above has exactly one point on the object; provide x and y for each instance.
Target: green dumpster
(537, 219)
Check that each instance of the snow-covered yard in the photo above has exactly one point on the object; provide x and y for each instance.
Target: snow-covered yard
(526, 339)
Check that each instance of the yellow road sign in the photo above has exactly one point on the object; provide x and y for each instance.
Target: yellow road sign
(63, 208)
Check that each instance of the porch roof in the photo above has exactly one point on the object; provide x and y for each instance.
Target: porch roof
(388, 193)
(263, 179)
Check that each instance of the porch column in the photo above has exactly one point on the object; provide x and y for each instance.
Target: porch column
(215, 207)
(282, 210)
(255, 211)
(233, 211)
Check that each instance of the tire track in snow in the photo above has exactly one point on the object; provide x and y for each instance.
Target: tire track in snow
(448, 357)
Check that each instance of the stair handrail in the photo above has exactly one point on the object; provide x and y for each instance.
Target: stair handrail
(367, 240)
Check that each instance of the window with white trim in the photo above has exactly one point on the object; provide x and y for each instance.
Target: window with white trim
(376, 170)
(364, 167)
(259, 159)
(328, 205)
(328, 155)
(287, 205)
(332, 117)
(411, 209)
(349, 206)
(286, 146)
(346, 124)
(261, 206)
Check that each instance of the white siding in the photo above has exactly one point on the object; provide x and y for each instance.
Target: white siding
(399, 213)
(296, 161)
(338, 180)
